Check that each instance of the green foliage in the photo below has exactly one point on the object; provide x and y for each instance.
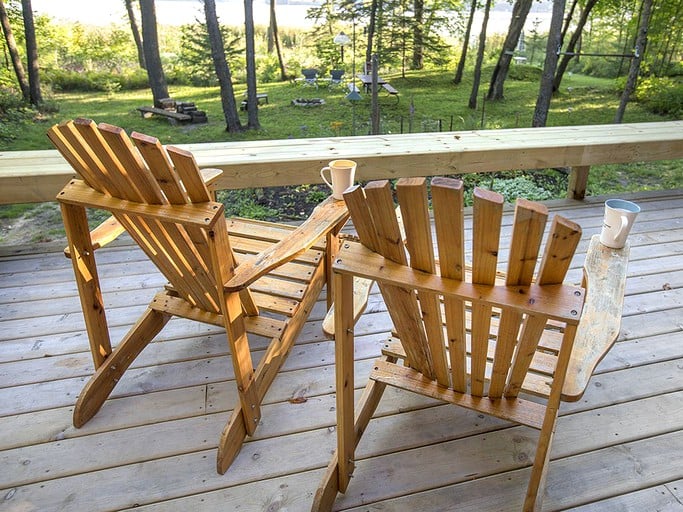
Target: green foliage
(525, 72)
(65, 80)
(246, 203)
(15, 211)
(536, 186)
(661, 95)
(194, 58)
(14, 114)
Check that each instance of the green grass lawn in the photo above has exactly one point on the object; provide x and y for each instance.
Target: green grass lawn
(425, 99)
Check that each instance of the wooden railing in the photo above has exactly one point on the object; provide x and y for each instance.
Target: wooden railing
(35, 176)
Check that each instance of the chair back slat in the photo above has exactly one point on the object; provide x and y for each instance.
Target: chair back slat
(363, 223)
(412, 192)
(130, 160)
(70, 144)
(562, 242)
(381, 207)
(110, 165)
(488, 213)
(527, 234)
(186, 167)
(448, 202)
(158, 162)
(561, 246)
(375, 221)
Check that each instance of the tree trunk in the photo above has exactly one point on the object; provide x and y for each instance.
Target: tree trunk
(641, 43)
(374, 102)
(14, 54)
(371, 30)
(418, 35)
(571, 47)
(252, 100)
(220, 63)
(136, 33)
(480, 57)
(35, 96)
(276, 41)
(545, 91)
(150, 43)
(463, 54)
(568, 20)
(519, 14)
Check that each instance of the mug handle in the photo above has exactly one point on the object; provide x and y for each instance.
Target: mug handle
(322, 175)
(624, 223)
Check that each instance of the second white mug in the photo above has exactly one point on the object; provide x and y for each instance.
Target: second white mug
(619, 217)
(342, 175)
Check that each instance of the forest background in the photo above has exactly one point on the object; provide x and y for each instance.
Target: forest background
(438, 53)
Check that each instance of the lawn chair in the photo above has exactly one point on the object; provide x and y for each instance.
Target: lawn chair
(474, 338)
(159, 196)
(310, 77)
(336, 78)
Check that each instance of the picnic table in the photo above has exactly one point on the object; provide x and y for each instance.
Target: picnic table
(366, 80)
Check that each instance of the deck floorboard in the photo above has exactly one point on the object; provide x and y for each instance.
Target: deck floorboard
(152, 446)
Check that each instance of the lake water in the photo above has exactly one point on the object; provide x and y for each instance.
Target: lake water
(290, 13)
(172, 12)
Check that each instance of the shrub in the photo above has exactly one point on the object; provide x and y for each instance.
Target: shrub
(661, 95)
(14, 114)
(63, 80)
(525, 73)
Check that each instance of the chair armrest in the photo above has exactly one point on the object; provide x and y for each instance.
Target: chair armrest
(325, 217)
(605, 281)
(103, 234)
(210, 175)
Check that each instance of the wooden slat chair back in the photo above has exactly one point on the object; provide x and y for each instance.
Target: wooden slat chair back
(468, 335)
(160, 197)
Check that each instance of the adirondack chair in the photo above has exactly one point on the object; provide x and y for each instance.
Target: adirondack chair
(221, 272)
(470, 336)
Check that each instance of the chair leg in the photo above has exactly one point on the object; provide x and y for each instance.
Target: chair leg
(102, 383)
(329, 487)
(231, 441)
(534, 494)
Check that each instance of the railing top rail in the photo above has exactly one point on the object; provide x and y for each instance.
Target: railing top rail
(34, 176)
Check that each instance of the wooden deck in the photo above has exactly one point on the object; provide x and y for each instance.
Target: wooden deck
(153, 446)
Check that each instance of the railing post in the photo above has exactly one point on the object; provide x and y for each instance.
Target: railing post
(578, 179)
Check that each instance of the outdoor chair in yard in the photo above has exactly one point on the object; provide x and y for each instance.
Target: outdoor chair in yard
(336, 78)
(509, 345)
(310, 77)
(252, 278)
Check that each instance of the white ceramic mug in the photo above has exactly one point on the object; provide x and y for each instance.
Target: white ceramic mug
(619, 217)
(342, 174)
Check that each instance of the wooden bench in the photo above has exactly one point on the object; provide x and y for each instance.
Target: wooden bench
(390, 89)
(175, 116)
(261, 98)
